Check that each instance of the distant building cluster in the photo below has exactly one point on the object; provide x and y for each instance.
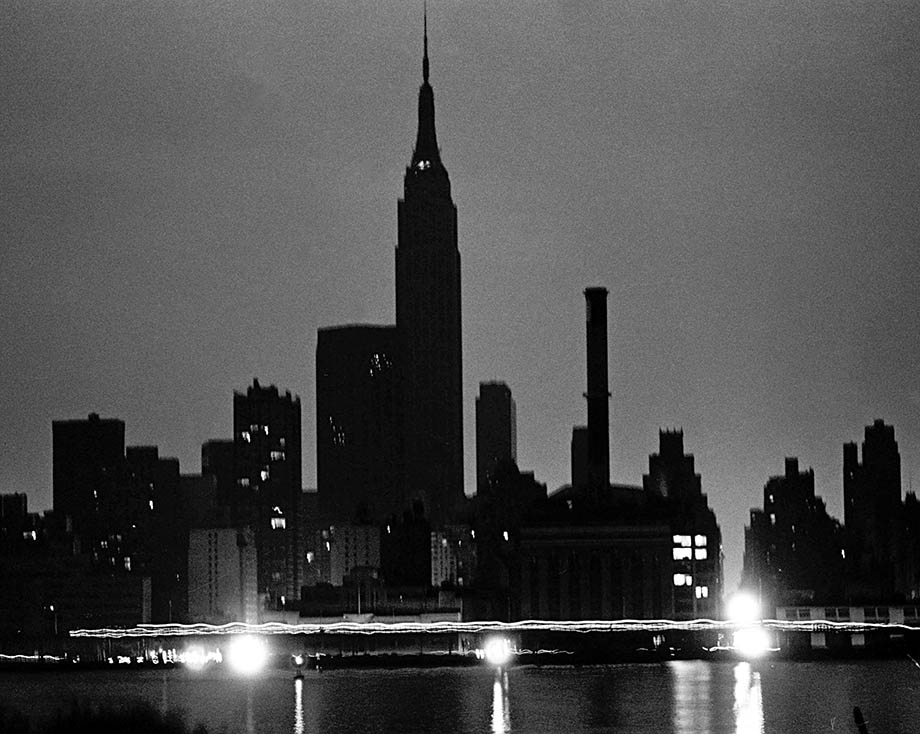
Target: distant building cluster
(388, 529)
(796, 554)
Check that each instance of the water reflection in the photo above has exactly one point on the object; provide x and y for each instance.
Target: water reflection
(501, 714)
(298, 706)
(748, 700)
(692, 712)
(250, 714)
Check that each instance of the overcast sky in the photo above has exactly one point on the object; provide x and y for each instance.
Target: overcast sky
(190, 189)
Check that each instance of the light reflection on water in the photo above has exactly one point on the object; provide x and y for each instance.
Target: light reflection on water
(748, 700)
(298, 706)
(772, 697)
(692, 694)
(501, 715)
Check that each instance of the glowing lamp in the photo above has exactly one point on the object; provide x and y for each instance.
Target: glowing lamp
(744, 608)
(497, 651)
(751, 642)
(247, 654)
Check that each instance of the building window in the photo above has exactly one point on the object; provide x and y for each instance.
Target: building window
(264, 474)
(246, 436)
(243, 481)
(682, 540)
(702, 592)
(700, 554)
(683, 579)
(278, 523)
(681, 554)
(277, 456)
(699, 541)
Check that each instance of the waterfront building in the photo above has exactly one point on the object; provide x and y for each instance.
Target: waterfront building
(872, 514)
(453, 556)
(222, 576)
(428, 323)
(696, 551)
(496, 430)
(267, 460)
(793, 550)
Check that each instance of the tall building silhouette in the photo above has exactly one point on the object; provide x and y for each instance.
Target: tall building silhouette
(496, 430)
(428, 322)
(87, 473)
(872, 512)
(792, 548)
(266, 436)
(358, 446)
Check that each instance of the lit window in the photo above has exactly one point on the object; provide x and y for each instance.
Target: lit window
(278, 523)
(843, 553)
(247, 437)
(243, 481)
(127, 563)
(254, 427)
(700, 554)
(151, 504)
(310, 556)
(277, 456)
(264, 475)
(681, 553)
(328, 546)
(700, 541)
(281, 442)
(473, 534)
(683, 579)
(702, 592)
(772, 519)
(265, 430)
(682, 540)
(505, 535)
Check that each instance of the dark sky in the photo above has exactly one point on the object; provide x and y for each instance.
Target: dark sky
(190, 189)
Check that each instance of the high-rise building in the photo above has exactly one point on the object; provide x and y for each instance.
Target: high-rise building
(428, 323)
(266, 435)
(87, 471)
(792, 548)
(872, 512)
(358, 440)
(496, 430)
(696, 551)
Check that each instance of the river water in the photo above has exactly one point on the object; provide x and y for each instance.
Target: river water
(683, 697)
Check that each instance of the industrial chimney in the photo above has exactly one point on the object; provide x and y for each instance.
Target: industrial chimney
(598, 394)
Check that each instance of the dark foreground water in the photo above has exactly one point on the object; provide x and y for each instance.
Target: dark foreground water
(680, 697)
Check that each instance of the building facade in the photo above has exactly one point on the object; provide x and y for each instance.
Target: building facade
(496, 430)
(358, 438)
(267, 458)
(872, 513)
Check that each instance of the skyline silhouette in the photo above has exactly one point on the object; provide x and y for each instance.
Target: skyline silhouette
(191, 196)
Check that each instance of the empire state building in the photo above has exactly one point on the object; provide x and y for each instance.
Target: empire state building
(428, 323)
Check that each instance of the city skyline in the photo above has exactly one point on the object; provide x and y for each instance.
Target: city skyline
(192, 196)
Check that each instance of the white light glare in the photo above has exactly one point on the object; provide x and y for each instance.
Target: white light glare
(744, 608)
(497, 651)
(247, 654)
(751, 642)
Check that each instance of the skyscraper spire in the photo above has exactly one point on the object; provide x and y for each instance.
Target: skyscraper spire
(426, 155)
(425, 34)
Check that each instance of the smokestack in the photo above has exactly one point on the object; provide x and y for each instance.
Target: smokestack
(598, 394)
